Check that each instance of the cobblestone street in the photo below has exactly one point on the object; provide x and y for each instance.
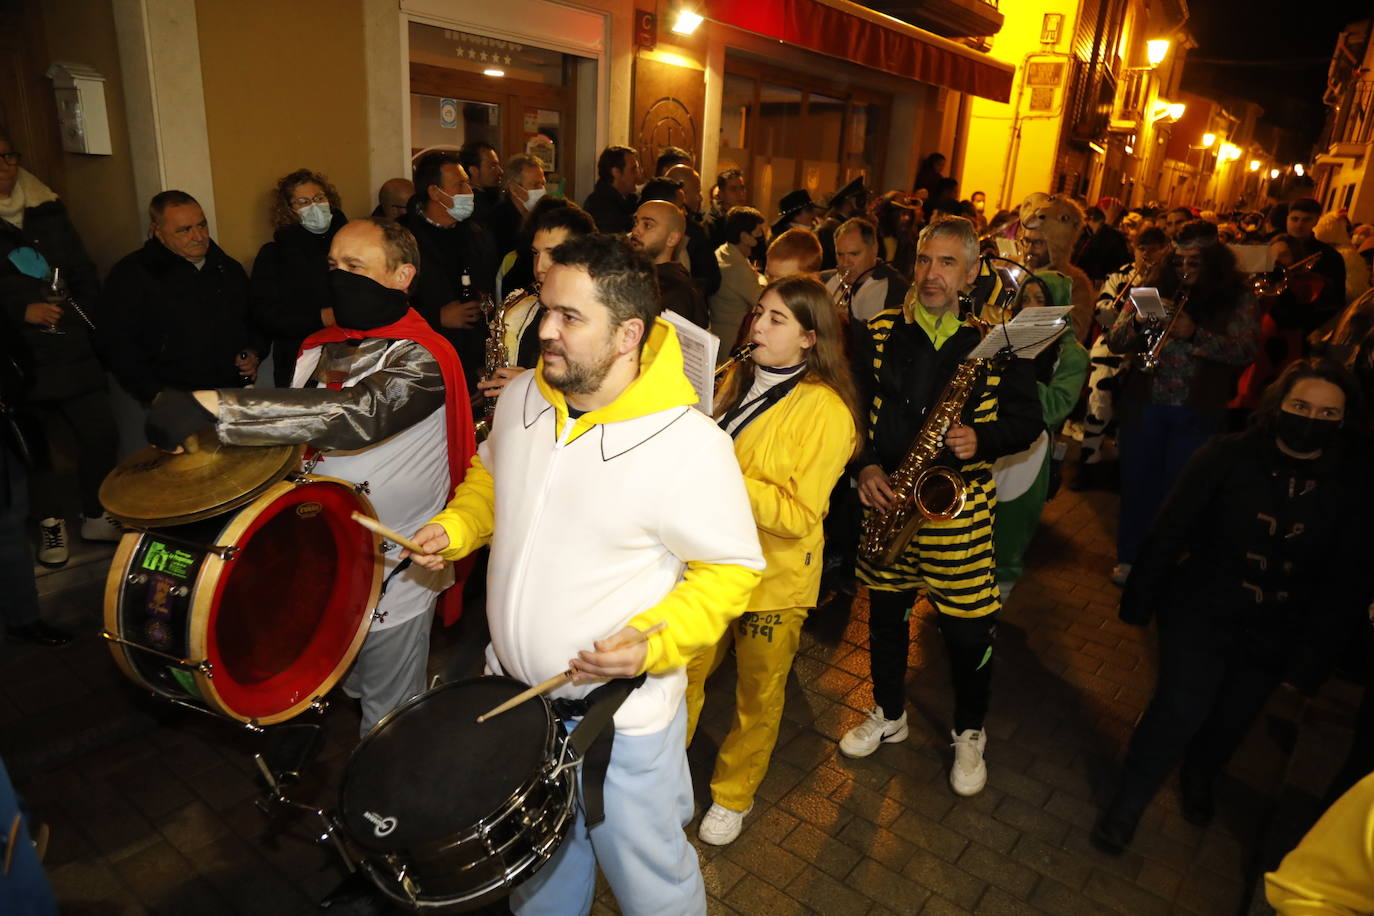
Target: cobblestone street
(152, 808)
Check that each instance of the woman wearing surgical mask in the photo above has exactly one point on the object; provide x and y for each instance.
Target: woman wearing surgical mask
(1257, 570)
(290, 284)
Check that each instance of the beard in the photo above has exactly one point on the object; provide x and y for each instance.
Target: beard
(578, 377)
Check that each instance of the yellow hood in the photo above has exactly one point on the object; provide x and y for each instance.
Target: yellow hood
(661, 385)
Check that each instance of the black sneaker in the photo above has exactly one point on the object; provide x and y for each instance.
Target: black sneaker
(39, 634)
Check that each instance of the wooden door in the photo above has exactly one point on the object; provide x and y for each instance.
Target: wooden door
(28, 109)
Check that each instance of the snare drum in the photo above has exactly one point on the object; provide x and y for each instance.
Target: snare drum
(444, 811)
(254, 614)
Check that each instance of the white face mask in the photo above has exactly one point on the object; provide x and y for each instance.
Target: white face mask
(315, 217)
(533, 196)
(462, 207)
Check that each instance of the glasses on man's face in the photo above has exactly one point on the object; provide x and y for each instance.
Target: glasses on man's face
(299, 202)
(10, 158)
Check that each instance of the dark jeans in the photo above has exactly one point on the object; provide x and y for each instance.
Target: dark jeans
(1154, 447)
(1214, 680)
(968, 643)
(18, 594)
(92, 426)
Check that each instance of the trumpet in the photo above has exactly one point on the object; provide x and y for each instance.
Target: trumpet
(1275, 282)
(1158, 334)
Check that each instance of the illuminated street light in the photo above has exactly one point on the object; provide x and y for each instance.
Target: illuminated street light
(1229, 152)
(1155, 51)
(1297, 168)
(1208, 140)
(1254, 165)
(1176, 110)
(1273, 174)
(687, 22)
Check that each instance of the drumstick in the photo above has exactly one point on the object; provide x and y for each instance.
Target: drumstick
(372, 524)
(558, 680)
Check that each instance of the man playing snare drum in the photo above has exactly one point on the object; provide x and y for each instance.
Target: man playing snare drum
(611, 506)
(387, 407)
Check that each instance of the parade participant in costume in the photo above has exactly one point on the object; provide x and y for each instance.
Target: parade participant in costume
(862, 285)
(1256, 571)
(901, 367)
(1151, 248)
(1168, 413)
(792, 411)
(1050, 226)
(388, 408)
(552, 227)
(1023, 479)
(611, 506)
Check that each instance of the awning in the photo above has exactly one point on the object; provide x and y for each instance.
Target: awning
(870, 39)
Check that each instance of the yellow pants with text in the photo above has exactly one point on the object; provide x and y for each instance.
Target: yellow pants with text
(765, 643)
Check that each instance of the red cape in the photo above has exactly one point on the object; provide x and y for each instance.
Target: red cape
(457, 417)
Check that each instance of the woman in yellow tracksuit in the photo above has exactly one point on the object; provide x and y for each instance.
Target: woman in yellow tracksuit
(791, 411)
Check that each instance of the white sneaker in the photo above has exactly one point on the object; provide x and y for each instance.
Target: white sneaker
(969, 773)
(877, 729)
(1120, 573)
(721, 826)
(100, 528)
(52, 542)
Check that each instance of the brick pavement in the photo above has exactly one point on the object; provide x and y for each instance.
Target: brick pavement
(152, 808)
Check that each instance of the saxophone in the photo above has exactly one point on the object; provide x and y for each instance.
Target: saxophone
(923, 491)
(495, 353)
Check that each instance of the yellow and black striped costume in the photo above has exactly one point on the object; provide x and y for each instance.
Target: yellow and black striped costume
(903, 375)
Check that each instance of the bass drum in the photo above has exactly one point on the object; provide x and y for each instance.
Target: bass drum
(253, 614)
(447, 812)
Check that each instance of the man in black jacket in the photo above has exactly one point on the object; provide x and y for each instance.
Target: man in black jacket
(613, 201)
(176, 312)
(659, 230)
(458, 260)
(902, 365)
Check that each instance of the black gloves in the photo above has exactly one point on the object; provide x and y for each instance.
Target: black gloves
(173, 417)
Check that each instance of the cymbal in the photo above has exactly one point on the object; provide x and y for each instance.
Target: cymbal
(153, 488)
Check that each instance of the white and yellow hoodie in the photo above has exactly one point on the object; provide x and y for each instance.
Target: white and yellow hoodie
(634, 513)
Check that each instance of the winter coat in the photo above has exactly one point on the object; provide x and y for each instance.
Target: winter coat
(58, 366)
(166, 324)
(289, 288)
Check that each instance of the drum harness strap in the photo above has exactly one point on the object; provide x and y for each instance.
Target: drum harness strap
(594, 737)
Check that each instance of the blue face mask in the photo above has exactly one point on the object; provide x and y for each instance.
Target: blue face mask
(315, 217)
(462, 207)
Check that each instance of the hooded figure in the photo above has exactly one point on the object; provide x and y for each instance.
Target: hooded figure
(1023, 479)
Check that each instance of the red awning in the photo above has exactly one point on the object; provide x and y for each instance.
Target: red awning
(869, 39)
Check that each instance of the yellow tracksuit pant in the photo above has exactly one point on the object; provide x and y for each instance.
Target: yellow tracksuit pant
(765, 644)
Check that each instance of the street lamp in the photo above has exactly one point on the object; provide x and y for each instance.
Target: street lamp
(1155, 51)
(1208, 140)
(1254, 165)
(1273, 174)
(1297, 167)
(1229, 152)
(687, 22)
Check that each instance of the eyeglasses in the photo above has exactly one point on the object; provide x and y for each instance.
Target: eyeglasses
(11, 158)
(299, 202)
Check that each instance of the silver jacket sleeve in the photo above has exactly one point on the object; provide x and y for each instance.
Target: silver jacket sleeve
(405, 388)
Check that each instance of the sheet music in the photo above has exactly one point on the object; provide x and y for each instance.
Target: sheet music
(1252, 259)
(699, 347)
(1028, 334)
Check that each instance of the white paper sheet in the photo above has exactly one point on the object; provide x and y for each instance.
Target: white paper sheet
(1028, 334)
(699, 347)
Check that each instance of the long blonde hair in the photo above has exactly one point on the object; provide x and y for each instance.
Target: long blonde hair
(810, 304)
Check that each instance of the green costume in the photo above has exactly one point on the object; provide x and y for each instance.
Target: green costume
(1025, 476)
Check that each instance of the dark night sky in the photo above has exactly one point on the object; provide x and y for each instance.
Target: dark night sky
(1278, 52)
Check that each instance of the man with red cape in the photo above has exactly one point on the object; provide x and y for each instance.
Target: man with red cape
(379, 397)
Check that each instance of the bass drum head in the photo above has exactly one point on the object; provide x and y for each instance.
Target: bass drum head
(429, 771)
(283, 619)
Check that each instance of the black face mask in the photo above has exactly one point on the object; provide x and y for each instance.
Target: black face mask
(1305, 435)
(361, 303)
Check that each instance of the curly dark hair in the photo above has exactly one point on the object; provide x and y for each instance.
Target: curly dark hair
(624, 279)
(1318, 367)
(283, 214)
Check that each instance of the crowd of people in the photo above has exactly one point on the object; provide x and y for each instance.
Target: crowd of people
(611, 508)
